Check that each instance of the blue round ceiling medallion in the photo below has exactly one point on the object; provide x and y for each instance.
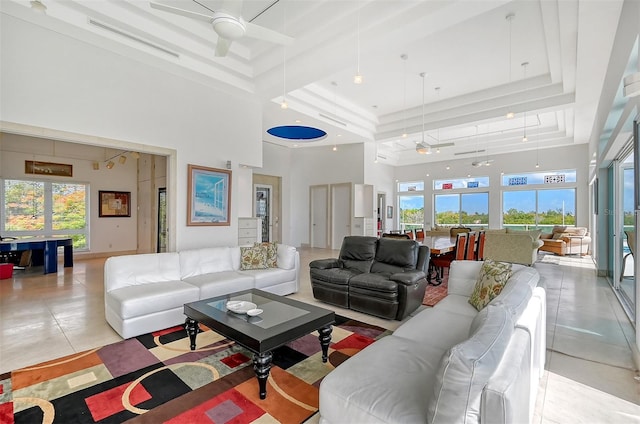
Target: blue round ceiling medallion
(297, 133)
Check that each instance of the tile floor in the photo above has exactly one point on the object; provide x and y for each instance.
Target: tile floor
(590, 375)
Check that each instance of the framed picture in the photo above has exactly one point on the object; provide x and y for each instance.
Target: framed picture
(389, 211)
(209, 196)
(114, 204)
(48, 168)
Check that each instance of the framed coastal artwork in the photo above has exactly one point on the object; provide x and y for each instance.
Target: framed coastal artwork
(114, 204)
(209, 196)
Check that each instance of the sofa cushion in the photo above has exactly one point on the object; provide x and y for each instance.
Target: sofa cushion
(286, 256)
(253, 257)
(148, 268)
(269, 277)
(424, 329)
(492, 279)
(399, 253)
(374, 282)
(338, 276)
(220, 283)
(506, 397)
(466, 368)
(138, 300)
(205, 261)
(356, 394)
(357, 253)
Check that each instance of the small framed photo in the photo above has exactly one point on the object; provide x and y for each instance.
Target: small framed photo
(389, 211)
(209, 196)
(114, 204)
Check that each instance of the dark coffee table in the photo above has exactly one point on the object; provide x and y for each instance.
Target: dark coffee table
(282, 321)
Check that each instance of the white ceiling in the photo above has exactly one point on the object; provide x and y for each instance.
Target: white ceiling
(462, 46)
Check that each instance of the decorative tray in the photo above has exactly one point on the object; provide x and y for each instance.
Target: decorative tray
(240, 306)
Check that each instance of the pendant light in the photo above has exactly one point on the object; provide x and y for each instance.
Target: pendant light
(284, 104)
(357, 79)
(524, 123)
(509, 18)
(404, 57)
(422, 147)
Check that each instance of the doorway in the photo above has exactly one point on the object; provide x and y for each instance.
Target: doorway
(267, 204)
(381, 221)
(262, 209)
(162, 220)
(319, 216)
(340, 213)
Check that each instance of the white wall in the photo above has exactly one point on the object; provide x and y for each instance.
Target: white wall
(302, 168)
(573, 157)
(52, 81)
(382, 177)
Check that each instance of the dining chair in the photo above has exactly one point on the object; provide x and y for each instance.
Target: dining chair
(444, 261)
(470, 253)
(420, 234)
(631, 242)
(410, 234)
(480, 251)
(398, 236)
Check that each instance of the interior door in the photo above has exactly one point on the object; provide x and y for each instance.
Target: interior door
(340, 214)
(319, 216)
(264, 209)
(162, 220)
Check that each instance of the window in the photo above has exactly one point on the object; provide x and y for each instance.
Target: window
(546, 177)
(524, 209)
(44, 208)
(455, 183)
(411, 212)
(467, 209)
(411, 205)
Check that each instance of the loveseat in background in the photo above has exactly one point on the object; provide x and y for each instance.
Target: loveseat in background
(450, 363)
(147, 292)
(565, 240)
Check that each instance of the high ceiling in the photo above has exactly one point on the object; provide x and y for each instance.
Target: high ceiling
(471, 53)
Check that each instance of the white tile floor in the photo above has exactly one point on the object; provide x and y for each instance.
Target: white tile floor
(590, 375)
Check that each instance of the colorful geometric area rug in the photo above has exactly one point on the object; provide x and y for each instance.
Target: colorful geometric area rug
(156, 378)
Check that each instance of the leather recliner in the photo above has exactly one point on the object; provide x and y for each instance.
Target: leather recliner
(383, 277)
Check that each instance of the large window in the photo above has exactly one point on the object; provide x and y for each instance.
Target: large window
(524, 209)
(44, 208)
(411, 205)
(468, 209)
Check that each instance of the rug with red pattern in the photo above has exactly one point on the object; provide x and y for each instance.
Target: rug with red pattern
(156, 378)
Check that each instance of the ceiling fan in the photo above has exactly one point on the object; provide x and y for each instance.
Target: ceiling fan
(228, 24)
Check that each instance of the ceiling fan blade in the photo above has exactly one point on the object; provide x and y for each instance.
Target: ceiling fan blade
(266, 34)
(222, 47)
(181, 12)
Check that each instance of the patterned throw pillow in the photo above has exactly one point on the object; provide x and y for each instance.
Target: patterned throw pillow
(254, 257)
(493, 277)
(272, 253)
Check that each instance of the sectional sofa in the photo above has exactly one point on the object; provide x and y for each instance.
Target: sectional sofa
(145, 293)
(450, 363)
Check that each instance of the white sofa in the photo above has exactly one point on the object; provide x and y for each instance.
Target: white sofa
(145, 293)
(450, 363)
